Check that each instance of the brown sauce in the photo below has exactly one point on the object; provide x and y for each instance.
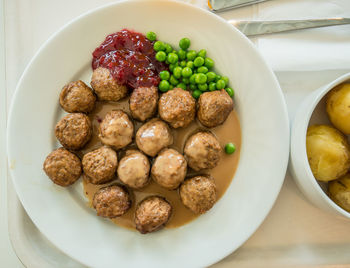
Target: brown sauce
(223, 174)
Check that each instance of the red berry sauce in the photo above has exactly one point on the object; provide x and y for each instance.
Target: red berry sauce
(130, 58)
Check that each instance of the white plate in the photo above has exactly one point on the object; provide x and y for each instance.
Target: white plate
(62, 215)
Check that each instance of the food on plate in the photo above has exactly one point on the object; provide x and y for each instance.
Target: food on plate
(202, 151)
(339, 191)
(230, 148)
(143, 103)
(100, 165)
(116, 129)
(73, 131)
(62, 167)
(111, 201)
(153, 136)
(77, 97)
(214, 107)
(177, 107)
(169, 169)
(152, 214)
(338, 107)
(198, 193)
(105, 87)
(328, 152)
(133, 169)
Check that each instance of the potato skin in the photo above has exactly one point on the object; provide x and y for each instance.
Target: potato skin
(339, 191)
(338, 107)
(328, 152)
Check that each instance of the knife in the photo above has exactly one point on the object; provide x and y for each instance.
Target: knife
(251, 28)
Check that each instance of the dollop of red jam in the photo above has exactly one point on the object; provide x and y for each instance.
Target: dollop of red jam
(130, 57)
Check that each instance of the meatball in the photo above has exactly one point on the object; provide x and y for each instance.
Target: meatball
(133, 169)
(106, 87)
(100, 165)
(62, 167)
(202, 151)
(73, 131)
(328, 152)
(116, 129)
(153, 137)
(152, 214)
(77, 97)
(214, 107)
(177, 107)
(169, 169)
(339, 191)
(143, 102)
(198, 194)
(111, 201)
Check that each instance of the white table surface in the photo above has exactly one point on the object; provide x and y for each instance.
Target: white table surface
(295, 233)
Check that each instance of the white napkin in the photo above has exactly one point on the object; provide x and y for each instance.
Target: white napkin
(306, 50)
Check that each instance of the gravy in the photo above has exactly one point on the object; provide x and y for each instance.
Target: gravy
(223, 173)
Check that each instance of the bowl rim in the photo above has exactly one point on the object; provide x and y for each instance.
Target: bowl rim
(314, 98)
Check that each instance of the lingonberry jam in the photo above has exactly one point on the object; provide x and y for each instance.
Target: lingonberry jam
(130, 58)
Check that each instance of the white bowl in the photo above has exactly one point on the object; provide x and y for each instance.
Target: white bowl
(312, 111)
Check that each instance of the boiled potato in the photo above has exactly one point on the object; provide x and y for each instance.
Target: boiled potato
(339, 191)
(328, 152)
(338, 107)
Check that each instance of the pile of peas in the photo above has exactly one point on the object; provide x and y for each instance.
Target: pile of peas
(188, 69)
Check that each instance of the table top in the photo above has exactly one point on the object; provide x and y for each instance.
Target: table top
(295, 233)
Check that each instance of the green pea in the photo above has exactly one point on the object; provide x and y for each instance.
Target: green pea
(183, 63)
(230, 148)
(172, 57)
(185, 80)
(151, 36)
(171, 87)
(212, 86)
(202, 69)
(177, 72)
(225, 78)
(182, 54)
(186, 72)
(181, 85)
(202, 53)
(184, 43)
(159, 46)
(220, 84)
(209, 63)
(160, 56)
(173, 80)
(201, 78)
(168, 48)
(191, 55)
(230, 91)
(172, 66)
(217, 78)
(190, 64)
(203, 87)
(164, 75)
(211, 76)
(193, 87)
(192, 79)
(196, 93)
(164, 86)
(199, 61)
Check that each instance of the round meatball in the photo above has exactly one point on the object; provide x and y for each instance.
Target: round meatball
(62, 167)
(111, 201)
(106, 87)
(169, 169)
(116, 129)
(133, 169)
(73, 131)
(177, 107)
(214, 107)
(202, 151)
(77, 97)
(153, 137)
(143, 102)
(198, 194)
(152, 214)
(100, 165)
